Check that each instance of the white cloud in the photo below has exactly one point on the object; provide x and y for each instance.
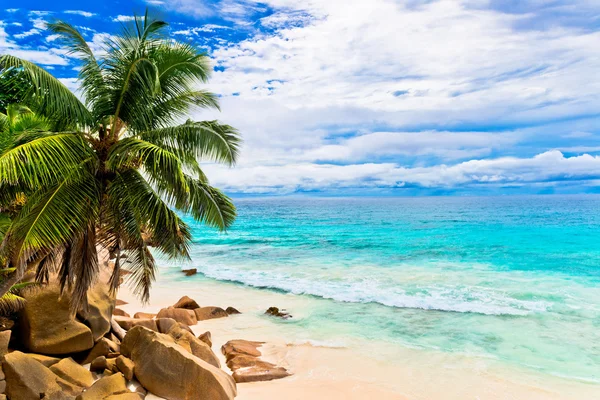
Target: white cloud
(39, 23)
(548, 167)
(28, 33)
(12, 10)
(123, 18)
(52, 38)
(86, 14)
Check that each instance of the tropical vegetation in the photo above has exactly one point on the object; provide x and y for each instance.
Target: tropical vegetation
(110, 170)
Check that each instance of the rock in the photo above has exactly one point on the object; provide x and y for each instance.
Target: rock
(102, 348)
(46, 361)
(28, 379)
(242, 358)
(187, 303)
(185, 327)
(165, 324)
(101, 304)
(107, 386)
(194, 345)
(116, 329)
(241, 347)
(205, 313)
(125, 365)
(168, 370)
(190, 272)
(274, 311)
(72, 372)
(124, 396)
(238, 361)
(259, 373)
(99, 364)
(120, 302)
(184, 316)
(121, 313)
(128, 323)
(48, 326)
(206, 338)
(2, 388)
(232, 311)
(4, 340)
(6, 324)
(113, 338)
(143, 315)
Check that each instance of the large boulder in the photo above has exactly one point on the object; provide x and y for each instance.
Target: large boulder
(205, 313)
(4, 340)
(262, 371)
(239, 346)
(28, 379)
(126, 366)
(105, 387)
(128, 323)
(122, 313)
(99, 310)
(169, 370)
(182, 315)
(49, 327)
(242, 358)
(46, 361)
(143, 315)
(194, 345)
(206, 338)
(72, 372)
(187, 303)
(103, 347)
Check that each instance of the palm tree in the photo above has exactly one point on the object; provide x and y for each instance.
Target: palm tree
(120, 166)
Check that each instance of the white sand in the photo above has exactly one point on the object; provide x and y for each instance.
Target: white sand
(357, 371)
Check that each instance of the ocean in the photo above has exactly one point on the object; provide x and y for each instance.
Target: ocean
(513, 279)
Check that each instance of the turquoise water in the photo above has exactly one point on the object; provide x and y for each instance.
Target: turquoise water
(515, 279)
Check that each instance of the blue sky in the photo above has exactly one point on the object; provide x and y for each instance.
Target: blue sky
(380, 97)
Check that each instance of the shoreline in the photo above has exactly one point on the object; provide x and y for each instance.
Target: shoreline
(351, 368)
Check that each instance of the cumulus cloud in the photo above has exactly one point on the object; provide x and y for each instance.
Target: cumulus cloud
(86, 14)
(548, 167)
(123, 18)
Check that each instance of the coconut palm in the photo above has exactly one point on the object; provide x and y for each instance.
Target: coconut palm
(121, 165)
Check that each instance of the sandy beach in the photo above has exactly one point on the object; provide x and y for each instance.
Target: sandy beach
(351, 369)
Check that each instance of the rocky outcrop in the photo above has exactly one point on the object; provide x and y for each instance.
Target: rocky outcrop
(247, 347)
(205, 313)
(187, 303)
(125, 365)
(262, 371)
(48, 327)
(128, 323)
(72, 372)
(242, 359)
(274, 311)
(105, 387)
(4, 341)
(232, 311)
(143, 315)
(184, 316)
(46, 361)
(194, 345)
(169, 370)
(28, 379)
(99, 310)
(190, 272)
(102, 348)
(206, 338)
(121, 313)
(6, 324)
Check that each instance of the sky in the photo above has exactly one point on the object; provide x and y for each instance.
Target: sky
(378, 97)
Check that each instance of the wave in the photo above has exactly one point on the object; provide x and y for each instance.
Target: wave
(461, 300)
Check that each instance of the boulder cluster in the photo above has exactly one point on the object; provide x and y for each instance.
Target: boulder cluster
(101, 352)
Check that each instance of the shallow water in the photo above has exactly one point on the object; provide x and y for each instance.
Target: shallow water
(514, 279)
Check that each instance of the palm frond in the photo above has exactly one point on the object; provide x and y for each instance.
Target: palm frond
(50, 96)
(209, 140)
(53, 217)
(42, 159)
